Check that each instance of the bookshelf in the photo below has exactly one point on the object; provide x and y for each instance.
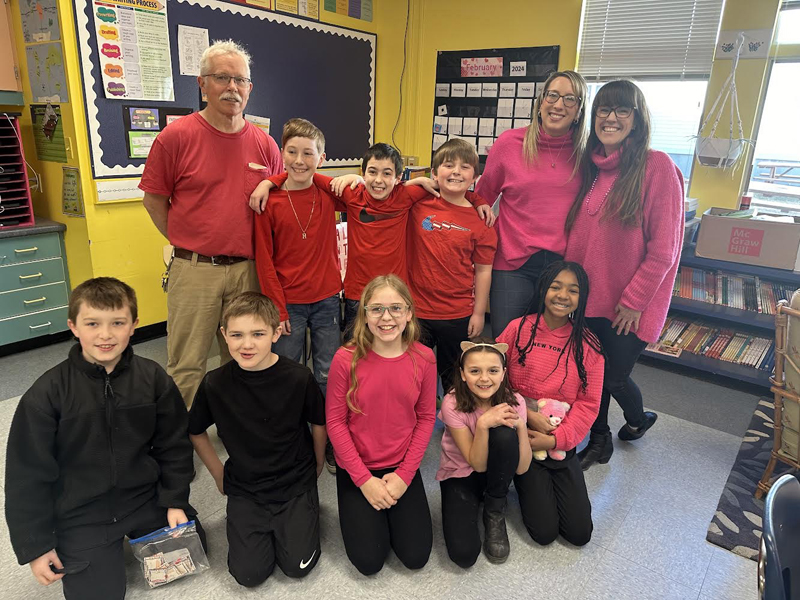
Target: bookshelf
(744, 322)
(16, 209)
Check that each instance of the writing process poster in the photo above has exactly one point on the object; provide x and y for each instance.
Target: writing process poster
(133, 41)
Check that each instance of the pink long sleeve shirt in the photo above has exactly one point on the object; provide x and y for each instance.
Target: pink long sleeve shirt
(536, 197)
(397, 397)
(634, 266)
(545, 376)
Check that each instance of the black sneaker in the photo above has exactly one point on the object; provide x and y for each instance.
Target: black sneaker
(330, 461)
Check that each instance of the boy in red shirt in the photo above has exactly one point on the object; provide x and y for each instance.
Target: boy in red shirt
(296, 255)
(450, 253)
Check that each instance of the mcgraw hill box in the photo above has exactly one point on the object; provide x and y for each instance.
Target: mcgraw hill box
(749, 241)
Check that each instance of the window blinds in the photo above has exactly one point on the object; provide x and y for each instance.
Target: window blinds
(665, 39)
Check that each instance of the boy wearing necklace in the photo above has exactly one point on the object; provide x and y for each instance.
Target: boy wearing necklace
(296, 259)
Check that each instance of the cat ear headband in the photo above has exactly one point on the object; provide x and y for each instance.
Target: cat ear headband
(501, 348)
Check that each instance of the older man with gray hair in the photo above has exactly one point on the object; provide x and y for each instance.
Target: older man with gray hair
(197, 182)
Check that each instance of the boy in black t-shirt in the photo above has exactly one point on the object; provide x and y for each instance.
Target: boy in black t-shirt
(261, 404)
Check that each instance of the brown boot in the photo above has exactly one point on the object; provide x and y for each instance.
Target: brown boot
(495, 543)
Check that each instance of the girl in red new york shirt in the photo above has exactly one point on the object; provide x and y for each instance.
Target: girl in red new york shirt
(552, 355)
(380, 408)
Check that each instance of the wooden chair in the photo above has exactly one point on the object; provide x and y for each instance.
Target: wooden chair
(786, 388)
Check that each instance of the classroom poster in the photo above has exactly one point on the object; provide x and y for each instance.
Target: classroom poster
(192, 42)
(71, 196)
(46, 72)
(358, 9)
(39, 21)
(48, 132)
(133, 41)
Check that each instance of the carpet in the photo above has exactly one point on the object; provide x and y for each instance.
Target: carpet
(737, 522)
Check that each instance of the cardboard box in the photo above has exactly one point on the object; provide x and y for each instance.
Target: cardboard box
(749, 241)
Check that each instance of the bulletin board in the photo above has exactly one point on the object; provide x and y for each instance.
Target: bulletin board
(300, 68)
(482, 93)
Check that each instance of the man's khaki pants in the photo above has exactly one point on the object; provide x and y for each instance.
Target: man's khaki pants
(198, 292)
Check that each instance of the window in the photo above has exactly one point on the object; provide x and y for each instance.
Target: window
(789, 24)
(775, 176)
(667, 48)
(676, 108)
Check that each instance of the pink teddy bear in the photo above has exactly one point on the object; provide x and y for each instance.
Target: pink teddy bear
(555, 411)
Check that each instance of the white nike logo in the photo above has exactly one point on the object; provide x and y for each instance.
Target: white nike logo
(304, 564)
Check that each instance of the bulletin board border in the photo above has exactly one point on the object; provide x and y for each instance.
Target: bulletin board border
(101, 170)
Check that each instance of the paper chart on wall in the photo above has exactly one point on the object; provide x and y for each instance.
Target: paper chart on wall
(134, 53)
(458, 90)
(484, 145)
(526, 89)
(192, 42)
(522, 108)
(505, 107)
(489, 90)
(508, 90)
(502, 125)
(473, 90)
(440, 125)
(486, 127)
(470, 126)
(442, 90)
(438, 140)
(454, 125)
(521, 123)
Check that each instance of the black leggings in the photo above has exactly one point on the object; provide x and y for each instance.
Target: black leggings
(553, 500)
(368, 534)
(461, 496)
(446, 335)
(621, 351)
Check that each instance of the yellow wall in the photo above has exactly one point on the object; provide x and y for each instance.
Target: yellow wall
(473, 24)
(722, 187)
(47, 201)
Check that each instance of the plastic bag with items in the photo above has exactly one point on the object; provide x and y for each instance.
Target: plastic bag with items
(169, 554)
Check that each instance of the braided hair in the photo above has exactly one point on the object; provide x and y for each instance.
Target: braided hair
(580, 332)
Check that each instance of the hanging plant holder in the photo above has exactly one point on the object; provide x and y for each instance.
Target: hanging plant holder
(723, 153)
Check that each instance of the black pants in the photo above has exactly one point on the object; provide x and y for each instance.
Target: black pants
(263, 535)
(553, 500)
(368, 534)
(461, 496)
(622, 352)
(446, 335)
(93, 558)
(515, 293)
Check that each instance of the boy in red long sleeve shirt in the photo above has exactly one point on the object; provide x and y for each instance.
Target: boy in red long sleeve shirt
(450, 253)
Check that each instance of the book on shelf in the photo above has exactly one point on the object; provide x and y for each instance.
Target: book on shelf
(745, 292)
(722, 343)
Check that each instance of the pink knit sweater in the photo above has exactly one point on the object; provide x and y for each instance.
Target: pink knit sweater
(536, 198)
(632, 265)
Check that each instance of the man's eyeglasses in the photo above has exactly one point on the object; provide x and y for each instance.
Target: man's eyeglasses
(622, 112)
(570, 100)
(223, 79)
(375, 311)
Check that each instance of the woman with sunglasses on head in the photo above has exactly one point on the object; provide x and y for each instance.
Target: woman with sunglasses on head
(535, 168)
(626, 229)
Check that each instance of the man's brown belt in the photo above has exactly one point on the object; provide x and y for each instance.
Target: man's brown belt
(220, 259)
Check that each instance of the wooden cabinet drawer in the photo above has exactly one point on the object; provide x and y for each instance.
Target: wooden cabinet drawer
(30, 326)
(26, 275)
(35, 299)
(27, 248)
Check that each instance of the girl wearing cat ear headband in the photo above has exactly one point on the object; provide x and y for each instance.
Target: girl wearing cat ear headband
(484, 444)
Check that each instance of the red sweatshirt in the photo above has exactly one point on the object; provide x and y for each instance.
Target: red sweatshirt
(445, 242)
(538, 379)
(293, 269)
(397, 397)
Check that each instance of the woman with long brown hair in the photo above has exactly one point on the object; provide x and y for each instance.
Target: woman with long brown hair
(536, 169)
(626, 229)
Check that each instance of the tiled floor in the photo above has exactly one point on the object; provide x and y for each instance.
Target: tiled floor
(652, 504)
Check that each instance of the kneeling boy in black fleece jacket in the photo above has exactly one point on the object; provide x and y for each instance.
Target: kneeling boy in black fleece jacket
(98, 450)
